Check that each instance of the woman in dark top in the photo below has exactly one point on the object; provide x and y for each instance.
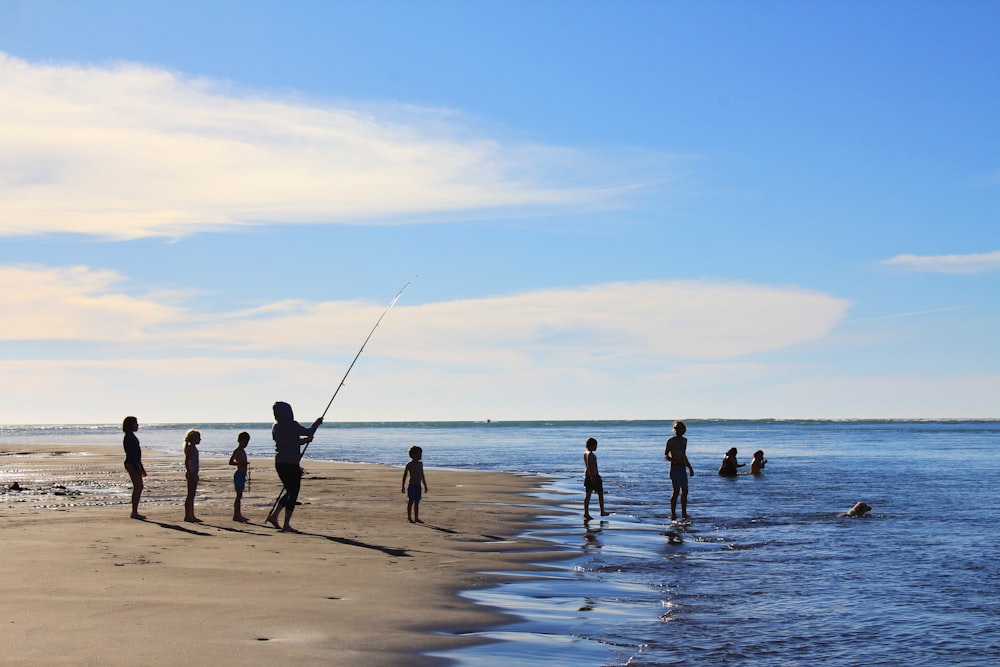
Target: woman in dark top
(133, 462)
(729, 465)
(288, 436)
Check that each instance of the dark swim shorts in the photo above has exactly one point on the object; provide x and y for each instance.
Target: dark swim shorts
(678, 476)
(597, 486)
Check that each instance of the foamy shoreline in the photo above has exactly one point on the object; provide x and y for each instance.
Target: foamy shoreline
(359, 585)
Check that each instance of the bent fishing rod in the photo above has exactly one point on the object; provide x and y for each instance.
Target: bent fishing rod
(344, 379)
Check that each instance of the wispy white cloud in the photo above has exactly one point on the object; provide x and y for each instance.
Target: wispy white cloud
(128, 151)
(633, 337)
(914, 313)
(971, 263)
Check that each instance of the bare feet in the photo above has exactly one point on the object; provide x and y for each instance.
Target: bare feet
(136, 515)
(241, 519)
(587, 517)
(193, 519)
(605, 513)
(273, 521)
(288, 529)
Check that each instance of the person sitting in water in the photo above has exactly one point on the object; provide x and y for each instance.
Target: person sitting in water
(729, 464)
(758, 462)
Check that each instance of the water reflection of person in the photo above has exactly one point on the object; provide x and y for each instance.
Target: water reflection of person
(592, 536)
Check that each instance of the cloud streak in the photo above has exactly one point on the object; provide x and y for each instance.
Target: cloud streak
(957, 264)
(524, 346)
(129, 151)
(682, 319)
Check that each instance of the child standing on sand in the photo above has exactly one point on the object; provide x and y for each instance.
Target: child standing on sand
(133, 462)
(592, 482)
(191, 466)
(239, 459)
(415, 470)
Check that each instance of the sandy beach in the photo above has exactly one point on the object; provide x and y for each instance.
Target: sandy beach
(85, 585)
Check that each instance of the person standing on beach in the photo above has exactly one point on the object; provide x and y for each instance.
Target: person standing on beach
(415, 470)
(133, 462)
(592, 482)
(239, 459)
(289, 436)
(676, 453)
(192, 465)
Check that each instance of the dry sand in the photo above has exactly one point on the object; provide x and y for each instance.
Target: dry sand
(82, 584)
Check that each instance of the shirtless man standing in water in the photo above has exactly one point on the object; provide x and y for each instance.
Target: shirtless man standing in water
(676, 453)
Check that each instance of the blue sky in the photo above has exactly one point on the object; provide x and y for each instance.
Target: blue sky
(638, 210)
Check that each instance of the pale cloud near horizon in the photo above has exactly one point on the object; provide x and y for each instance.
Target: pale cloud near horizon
(683, 319)
(969, 263)
(113, 346)
(127, 151)
(655, 349)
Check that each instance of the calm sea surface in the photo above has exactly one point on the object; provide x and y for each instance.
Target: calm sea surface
(767, 574)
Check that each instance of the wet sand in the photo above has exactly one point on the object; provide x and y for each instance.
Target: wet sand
(83, 584)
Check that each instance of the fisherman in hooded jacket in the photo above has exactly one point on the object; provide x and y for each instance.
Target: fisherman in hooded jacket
(289, 436)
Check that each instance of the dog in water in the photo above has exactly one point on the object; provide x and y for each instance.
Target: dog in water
(859, 509)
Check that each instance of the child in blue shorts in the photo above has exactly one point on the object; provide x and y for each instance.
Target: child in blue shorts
(415, 470)
(239, 459)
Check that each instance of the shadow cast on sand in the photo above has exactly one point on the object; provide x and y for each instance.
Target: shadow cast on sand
(182, 529)
(242, 531)
(437, 528)
(389, 551)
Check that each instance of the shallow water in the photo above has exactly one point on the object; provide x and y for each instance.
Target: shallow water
(766, 574)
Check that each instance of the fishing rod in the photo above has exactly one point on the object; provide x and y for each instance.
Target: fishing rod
(344, 379)
(370, 333)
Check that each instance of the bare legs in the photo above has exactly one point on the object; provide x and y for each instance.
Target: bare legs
(586, 505)
(135, 474)
(192, 486)
(684, 503)
(238, 510)
(413, 511)
(273, 517)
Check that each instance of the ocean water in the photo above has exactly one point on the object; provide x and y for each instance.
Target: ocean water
(766, 573)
